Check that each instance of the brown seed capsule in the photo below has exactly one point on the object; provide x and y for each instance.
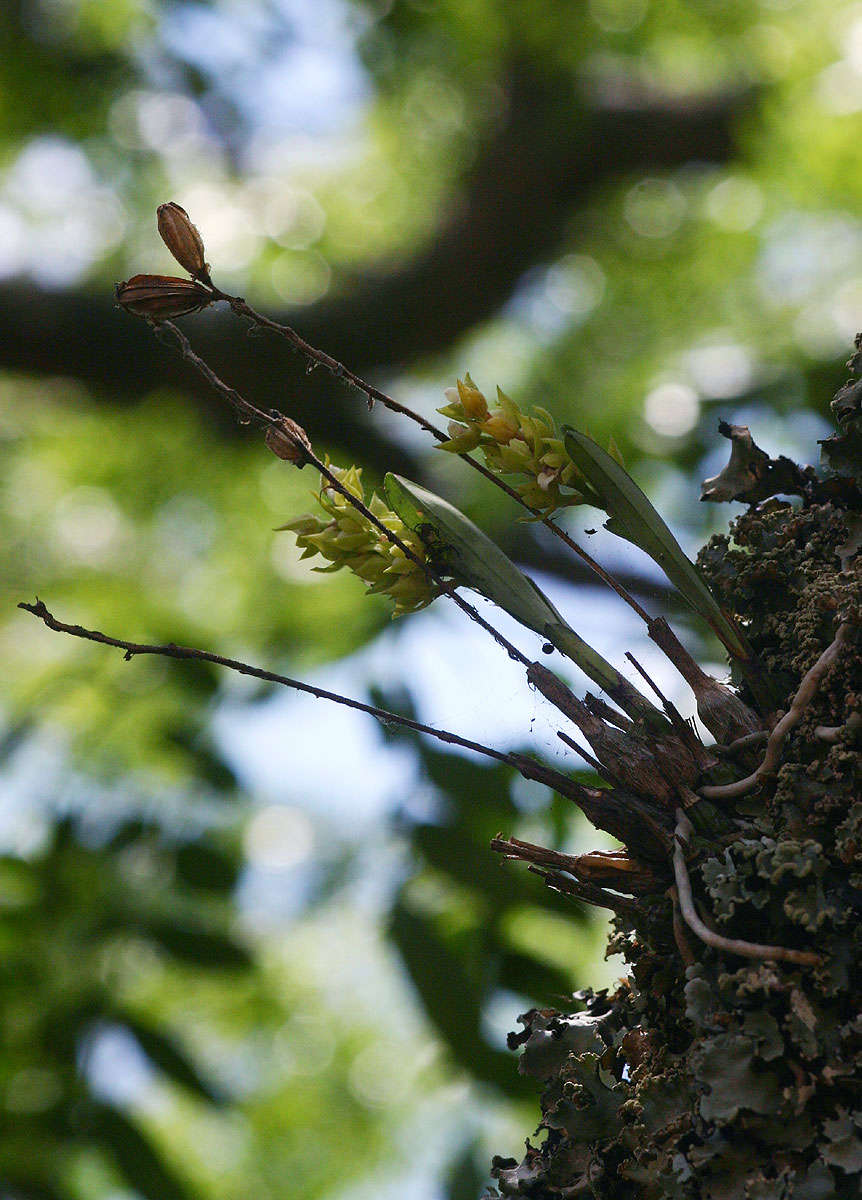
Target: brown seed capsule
(182, 238)
(286, 446)
(160, 297)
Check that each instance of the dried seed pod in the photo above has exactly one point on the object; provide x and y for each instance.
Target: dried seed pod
(182, 238)
(160, 297)
(284, 444)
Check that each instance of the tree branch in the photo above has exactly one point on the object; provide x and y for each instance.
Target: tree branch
(170, 650)
(525, 765)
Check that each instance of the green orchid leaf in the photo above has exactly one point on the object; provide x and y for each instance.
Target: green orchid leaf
(634, 518)
(472, 559)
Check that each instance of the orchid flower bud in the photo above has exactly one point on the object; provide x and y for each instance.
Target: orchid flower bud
(345, 538)
(472, 401)
(497, 427)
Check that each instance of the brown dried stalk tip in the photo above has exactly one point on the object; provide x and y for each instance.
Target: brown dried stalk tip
(724, 714)
(161, 297)
(616, 869)
(289, 442)
(625, 757)
(182, 238)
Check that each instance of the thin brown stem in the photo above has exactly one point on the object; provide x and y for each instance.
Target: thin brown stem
(685, 731)
(587, 892)
(666, 704)
(372, 393)
(526, 766)
(582, 753)
(170, 650)
(250, 412)
(529, 852)
(539, 772)
(683, 832)
(805, 694)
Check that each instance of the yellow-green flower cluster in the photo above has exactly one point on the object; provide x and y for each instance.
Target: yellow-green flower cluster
(513, 443)
(346, 538)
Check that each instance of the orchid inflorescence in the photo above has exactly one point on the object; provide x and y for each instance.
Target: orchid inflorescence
(513, 442)
(348, 539)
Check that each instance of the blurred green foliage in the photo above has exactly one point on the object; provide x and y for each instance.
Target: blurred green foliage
(78, 924)
(321, 148)
(112, 1078)
(147, 520)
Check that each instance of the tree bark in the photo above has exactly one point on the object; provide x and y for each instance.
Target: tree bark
(724, 1068)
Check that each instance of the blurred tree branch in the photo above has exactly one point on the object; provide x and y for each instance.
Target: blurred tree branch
(550, 152)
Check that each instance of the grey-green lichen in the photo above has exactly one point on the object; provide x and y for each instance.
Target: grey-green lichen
(731, 1078)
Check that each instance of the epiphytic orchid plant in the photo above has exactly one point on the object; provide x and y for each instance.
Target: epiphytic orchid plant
(658, 1091)
(413, 547)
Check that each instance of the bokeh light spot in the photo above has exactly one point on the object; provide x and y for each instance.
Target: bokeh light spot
(735, 204)
(278, 837)
(377, 1076)
(576, 284)
(720, 370)
(89, 526)
(301, 278)
(672, 409)
(654, 208)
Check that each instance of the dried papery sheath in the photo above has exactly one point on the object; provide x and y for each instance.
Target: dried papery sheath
(616, 869)
(182, 238)
(161, 297)
(283, 441)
